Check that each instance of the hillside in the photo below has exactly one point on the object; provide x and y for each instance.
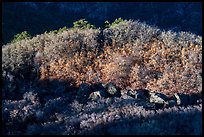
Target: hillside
(127, 77)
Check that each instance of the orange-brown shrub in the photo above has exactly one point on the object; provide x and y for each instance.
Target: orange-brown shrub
(132, 55)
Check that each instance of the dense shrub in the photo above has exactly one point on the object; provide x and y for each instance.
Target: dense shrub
(131, 54)
(125, 32)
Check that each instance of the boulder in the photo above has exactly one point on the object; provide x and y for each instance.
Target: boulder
(95, 95)
(100, 87)
(123, 92)
(125, 96)
(141, 94)
(111, 89)
(131, 93)
(158, 98)
(181, 99)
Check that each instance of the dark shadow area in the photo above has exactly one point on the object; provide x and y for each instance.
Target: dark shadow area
(35, 17)
(164, 123)
(66, 106)
(14, 88)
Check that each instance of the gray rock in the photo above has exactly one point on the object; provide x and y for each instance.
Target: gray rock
(95, 95)
(125, 96)
(181, 99)
(158, 98)
(142, 94)
(131, 93)
(123, 92)
(111, 89)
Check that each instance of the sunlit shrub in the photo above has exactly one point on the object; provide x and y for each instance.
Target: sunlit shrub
(117, 21)
(21, 36)
(130, 54)
(59, 31)
(83, 24)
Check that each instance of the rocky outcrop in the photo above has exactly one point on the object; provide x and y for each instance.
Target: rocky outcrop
(147, 99)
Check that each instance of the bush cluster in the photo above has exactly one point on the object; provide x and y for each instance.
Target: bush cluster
(21, 36)
(59, 31)
(129, 54)
(83, 24)
(117, 21)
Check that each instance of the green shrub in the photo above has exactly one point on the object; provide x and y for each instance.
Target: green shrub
(117, 21)
(107, 24)
(62, 29)
(83, 24)
(21, 36)
(58, 31)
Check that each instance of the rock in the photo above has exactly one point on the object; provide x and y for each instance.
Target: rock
(171, 103)
(125, 96)
(158, 98)
(141, 94)
(95, 95)
(181, 99)
(123, 92)
(131, 93)
(100, 87)
(111, 89)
